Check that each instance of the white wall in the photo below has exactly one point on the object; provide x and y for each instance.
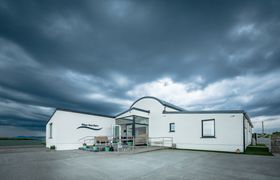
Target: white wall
(156, 109)
(187, 135)
(170, 109)
(188, 131)
(248, 132)
(66, 136)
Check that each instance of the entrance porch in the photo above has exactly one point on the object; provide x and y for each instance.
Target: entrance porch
(132, 127)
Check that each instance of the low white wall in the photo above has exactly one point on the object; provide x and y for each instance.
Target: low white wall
(66, 136)
(188, 131)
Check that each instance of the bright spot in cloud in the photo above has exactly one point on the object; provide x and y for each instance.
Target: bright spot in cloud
(248, 30)
(230, 93)
(233, 93)
(245, 29)
(119, 79)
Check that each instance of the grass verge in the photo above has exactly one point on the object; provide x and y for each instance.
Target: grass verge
(259, 149)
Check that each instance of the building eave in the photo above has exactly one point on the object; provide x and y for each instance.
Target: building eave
(77, 111)
(133, 108)
(205, 112)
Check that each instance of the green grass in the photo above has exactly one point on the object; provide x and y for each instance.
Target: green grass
(14, 138)
(262, 145)
(276, 133)
(259, 149)
(21, 142)
(201, 150)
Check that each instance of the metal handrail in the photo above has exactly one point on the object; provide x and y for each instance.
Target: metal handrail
(83, 138)
(122, 143)
(160, 141)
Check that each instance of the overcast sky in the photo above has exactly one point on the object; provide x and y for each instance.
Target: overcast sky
(100, 56)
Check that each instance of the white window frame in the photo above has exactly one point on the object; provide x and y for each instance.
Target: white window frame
(202, 128)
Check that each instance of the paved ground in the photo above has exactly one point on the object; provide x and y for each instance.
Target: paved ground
(41, 164)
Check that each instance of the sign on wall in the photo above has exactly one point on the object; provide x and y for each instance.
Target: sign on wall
(90, 126)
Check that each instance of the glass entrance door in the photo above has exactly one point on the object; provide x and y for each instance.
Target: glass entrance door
(141, 134)
(117, 131)
(136, 127)
(129, 131)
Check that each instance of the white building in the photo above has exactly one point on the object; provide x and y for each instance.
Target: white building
(149, 118)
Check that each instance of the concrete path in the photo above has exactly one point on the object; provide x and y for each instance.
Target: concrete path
(162, 164)
(142, 149)
(18, 149)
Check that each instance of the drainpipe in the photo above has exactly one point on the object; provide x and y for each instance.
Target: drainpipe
(133, 127)
(244, 148)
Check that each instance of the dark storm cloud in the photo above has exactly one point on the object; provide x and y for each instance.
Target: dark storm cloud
(89, 55)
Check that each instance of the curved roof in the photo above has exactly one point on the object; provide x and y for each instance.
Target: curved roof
(164, 103)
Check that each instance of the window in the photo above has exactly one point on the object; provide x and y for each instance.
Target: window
(208, 128)
(171, 127)
(50, 130)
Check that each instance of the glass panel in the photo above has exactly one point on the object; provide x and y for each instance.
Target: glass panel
(123, 131)
(116, 131)
(172, 127)
(51, 130)
(141, 127)
(129, 130)
(208, 128)
(141, 130)
(123, 121)
(141, 120)
(141, 134)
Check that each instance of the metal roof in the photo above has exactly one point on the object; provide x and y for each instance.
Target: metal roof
(164, 103)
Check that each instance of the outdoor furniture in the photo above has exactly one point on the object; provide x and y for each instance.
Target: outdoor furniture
(101, 139)
(101, 142)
